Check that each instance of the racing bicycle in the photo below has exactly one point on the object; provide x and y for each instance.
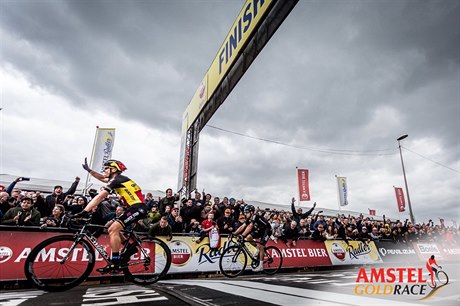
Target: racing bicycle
(63, 262)
(234, 258)
(440, 277)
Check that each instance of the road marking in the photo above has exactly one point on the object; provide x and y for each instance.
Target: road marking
(16, 298)
(284, 295)
(117, 295)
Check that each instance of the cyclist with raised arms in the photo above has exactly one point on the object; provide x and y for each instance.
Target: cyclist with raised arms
(255, 227)
(132, 197)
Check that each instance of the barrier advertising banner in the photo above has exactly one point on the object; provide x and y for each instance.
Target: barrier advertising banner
(187, 256)
(396, 252)
(355, 252)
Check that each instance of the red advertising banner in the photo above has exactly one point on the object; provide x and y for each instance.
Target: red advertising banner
(306, 253)
(400, 198)
(372, 212)
(304, 190)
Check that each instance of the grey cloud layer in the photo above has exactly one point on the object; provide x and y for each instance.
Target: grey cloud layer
(337, 74)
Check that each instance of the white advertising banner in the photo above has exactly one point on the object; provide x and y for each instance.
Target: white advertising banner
(343, 190)
(103, 146)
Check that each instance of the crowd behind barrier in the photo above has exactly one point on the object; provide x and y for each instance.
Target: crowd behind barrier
(169, 216)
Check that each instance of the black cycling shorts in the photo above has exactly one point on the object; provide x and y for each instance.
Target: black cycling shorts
(264, 235)
(132, 214)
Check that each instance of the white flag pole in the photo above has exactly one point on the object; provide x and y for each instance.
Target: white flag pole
(91, 162)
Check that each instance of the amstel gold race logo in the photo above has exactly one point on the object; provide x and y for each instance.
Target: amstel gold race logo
(180, 252)
(402, 281)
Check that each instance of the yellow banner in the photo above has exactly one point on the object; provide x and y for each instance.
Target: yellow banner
(355, 252)
(248, 19)
(244, 25)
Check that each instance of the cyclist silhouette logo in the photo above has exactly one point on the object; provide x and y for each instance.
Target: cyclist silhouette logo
(438, 278)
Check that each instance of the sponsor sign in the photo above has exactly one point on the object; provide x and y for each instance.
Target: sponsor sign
(450, 251)
(400, 252)
(400, 199)
(306, 253)
(343, 190)
(103, 146)
(304, 190)
(355, 252)
(425, 250)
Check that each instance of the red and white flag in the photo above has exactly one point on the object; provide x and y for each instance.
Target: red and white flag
(400, 198)
(372, 212)
(304, 189)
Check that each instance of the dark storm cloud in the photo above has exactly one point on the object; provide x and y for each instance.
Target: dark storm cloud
(143, 59)
(339, 62)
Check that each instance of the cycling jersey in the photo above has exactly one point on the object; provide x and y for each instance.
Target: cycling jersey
(259, 222)
(261, 228)
(130, 192)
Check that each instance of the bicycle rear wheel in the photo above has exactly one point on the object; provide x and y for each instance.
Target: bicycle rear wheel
(46, 268)
(273, 260)
(233, 261)
(442, 277)
(150, 264)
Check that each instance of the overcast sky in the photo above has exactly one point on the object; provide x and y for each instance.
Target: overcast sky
(337, 75)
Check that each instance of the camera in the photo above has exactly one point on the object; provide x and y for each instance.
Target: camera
(25, 178)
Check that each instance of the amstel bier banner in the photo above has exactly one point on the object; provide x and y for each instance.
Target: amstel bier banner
(355, 252)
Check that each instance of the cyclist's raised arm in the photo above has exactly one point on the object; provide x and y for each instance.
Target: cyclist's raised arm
(94, 173)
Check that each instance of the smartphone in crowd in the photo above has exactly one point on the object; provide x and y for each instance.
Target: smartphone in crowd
(25, 178)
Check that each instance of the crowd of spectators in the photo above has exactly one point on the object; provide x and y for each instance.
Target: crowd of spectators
(201, 212)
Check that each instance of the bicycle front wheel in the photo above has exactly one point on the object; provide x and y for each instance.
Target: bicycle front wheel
(273, 260)
(233, 261)
(59, 263)
(442, 277)
(149, 264)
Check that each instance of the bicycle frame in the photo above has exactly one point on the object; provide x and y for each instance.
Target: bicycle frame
(242, 246)
(84, 233)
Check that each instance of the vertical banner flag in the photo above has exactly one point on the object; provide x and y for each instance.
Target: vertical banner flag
(343, 190)
(302, 179)
(400, 198)
(371, 212)
(102, 149)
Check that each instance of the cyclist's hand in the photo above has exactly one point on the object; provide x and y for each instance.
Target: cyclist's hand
(85, 165)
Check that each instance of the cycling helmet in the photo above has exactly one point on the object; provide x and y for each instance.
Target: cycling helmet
(249, 208)
(112, 163)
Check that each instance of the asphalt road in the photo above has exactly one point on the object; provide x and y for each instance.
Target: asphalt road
(334, 287)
